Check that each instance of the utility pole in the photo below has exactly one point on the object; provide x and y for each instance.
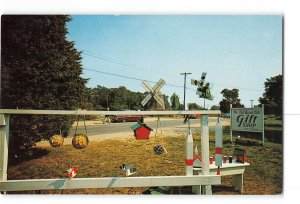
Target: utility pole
(252, 103)
(184, 87)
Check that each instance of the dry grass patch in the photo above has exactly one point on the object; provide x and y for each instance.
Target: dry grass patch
(103, 158)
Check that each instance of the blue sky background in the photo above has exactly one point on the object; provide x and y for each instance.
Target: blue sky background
(235, 51)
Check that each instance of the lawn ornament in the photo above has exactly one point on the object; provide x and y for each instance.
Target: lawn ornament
(189, 157)
(129, 171)
(72, 172)
(154, 92)
(56, 140)
(80, 141)
(141, 131)
(197, 163)
(211, 159)
(224, 159)
(218, 145)
(240, 155)
(230, 159)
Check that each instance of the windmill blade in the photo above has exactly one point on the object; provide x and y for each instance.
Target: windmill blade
(147, 86)
(159, 85)
(208, 85)
(195, 82)
(159, 100)
(146, 99)
(160, 93)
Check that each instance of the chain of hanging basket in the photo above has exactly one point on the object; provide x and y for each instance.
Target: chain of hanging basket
(159, 148)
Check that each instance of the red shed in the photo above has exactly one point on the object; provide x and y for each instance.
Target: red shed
(141, 131)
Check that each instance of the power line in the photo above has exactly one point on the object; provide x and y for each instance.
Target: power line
(130, 65)
(133, 78)
(109, 59)
(237, 87)
(138, 79)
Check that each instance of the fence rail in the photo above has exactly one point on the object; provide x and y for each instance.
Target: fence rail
(85, 112)
(109, 182)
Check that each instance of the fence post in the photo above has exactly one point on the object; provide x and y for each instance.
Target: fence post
(205, 151)
(4, 137)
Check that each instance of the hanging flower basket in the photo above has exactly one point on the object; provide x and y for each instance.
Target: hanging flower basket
(56, 141)
(80, 141)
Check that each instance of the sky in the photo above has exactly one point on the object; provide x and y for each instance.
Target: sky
(235, 51)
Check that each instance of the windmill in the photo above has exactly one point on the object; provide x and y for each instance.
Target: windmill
(154, 92)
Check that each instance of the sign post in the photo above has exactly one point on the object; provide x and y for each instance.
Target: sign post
(247, 120)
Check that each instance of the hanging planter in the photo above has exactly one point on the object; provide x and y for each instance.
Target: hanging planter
(80, 141)
(56, 141)
(159, 148)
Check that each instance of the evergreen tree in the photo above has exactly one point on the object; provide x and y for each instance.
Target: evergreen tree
(175, 104)
(40, 70)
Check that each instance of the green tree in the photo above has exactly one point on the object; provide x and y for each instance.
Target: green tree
(40, 70)
(119, 98)
(230, 97)
(194, 106)
(167, 103)
(272, 98)
(175, 104)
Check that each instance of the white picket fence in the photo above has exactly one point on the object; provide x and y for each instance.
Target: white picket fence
(189, 179)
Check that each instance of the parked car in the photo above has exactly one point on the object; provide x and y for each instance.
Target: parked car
(195, 116)
(126, 118)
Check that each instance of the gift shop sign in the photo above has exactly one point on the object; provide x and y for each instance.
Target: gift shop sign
(247, 119)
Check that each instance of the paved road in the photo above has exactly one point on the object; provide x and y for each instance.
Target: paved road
(125, 127)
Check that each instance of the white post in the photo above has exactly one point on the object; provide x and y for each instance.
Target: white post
(230, 113)
(189, 154)
(263, 125)
(205, 151)
(4, 136)
(218, 144)
(189, 159)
